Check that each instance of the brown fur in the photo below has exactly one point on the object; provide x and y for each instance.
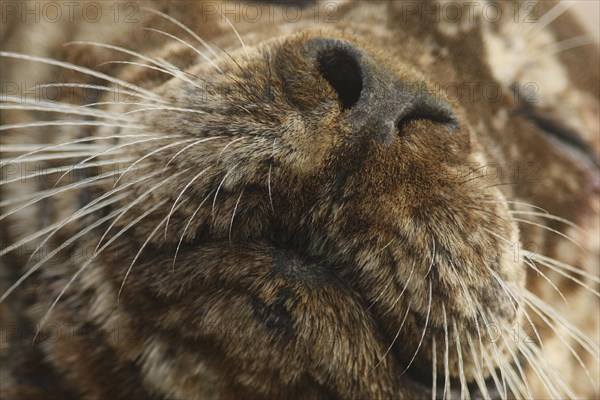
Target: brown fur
(315, 257)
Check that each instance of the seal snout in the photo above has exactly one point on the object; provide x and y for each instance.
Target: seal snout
(375, 99)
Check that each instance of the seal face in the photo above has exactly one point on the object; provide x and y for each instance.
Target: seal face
(301, 209)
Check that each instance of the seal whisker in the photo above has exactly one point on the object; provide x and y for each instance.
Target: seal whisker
(493, 358)
(556, 329)
(393, 341)
(464, 391)
(433, 368)
(546, 19)
(55, 156)
(234, 211)
(140, 198)
(554, 265)
(412, 270)
(550, 230)
(150, 154)
(493, 214)
(77, 68)
(50, 171)
(269, 177)
(182, 26)
(161, 64)
(190, 146)
(40, 263)
(86, 265)
(107, 103)
(447, 388)
(154, 68)
(187, 226)
(269, 189)
(432, 256)
(73, 278)
(530, 264)
(478, 375)
(512, 379)
(568, 44)
(220, 185)
(190, 183)
(201, 54)
(518, 203)
(522, 306)
(556, 289)
(227, 145)
(565, 266)
(116, 90)
(486, 359)
(520, 379)
(78, 213)
(543, 369)
(22, 148)
(237, 34)
(49, 228)
(41, 124)
(123, 230)
(549, 216)
(48, 147)
(387, 285)
(159, 108)
(83, 212)
(158, 226)
(536, 259)
(539, 305)
(44, 194)
(424, 330)
(59, 108)
(117, 147)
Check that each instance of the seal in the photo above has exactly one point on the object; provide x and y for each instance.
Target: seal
(372, 200)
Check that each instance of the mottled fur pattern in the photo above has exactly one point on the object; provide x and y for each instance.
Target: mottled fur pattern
(239, 225)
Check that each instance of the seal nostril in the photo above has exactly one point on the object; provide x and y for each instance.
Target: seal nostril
(437, 114)
(342, 71)
(376, 101)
